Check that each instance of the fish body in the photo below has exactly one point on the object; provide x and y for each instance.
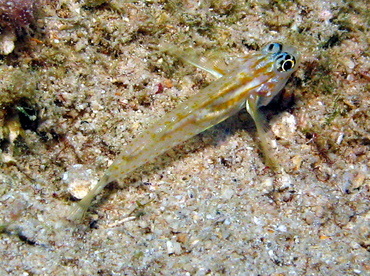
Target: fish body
(252, 83)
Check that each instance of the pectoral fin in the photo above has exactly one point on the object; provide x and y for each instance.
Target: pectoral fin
(262, 131)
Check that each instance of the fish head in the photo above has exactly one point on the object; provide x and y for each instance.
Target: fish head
(275, 63)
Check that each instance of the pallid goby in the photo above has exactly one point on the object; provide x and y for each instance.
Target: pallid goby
(252, 83)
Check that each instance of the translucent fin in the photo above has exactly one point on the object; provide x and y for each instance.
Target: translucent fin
(262, 131)
(215, 71)
(193, 58)
(214, 65)
(80, 208)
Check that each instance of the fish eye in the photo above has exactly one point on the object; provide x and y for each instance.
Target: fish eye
(285, 62)
(274, 48)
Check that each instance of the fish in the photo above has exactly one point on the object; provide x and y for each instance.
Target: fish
(252, 82)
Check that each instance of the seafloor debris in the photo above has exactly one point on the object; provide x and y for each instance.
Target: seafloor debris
(16, 20)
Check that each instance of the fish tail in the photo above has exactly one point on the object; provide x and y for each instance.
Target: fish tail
(80, 208)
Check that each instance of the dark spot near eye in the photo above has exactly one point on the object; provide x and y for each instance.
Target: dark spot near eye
(280, 56)
(275, 47)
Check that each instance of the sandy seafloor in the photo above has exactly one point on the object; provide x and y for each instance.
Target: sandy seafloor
(92, 76)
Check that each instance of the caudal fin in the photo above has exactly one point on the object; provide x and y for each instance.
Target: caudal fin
(80, 208)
